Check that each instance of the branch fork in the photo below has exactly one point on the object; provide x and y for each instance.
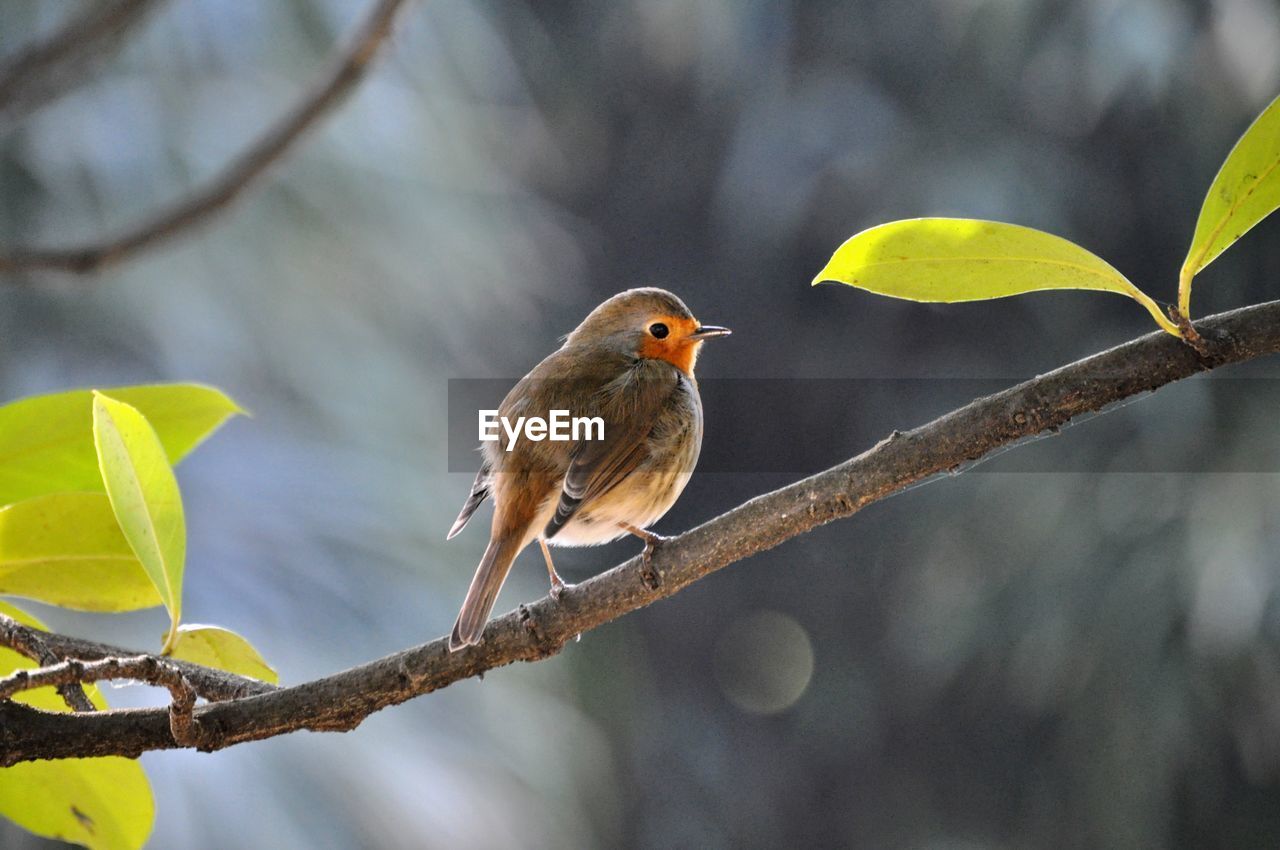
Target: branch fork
(143, 668)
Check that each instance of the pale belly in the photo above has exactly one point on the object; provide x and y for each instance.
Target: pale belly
(640, 500)
(645, 495)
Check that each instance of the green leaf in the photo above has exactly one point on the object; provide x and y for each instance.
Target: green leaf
(214, 646)
(46, 445)
(1246, 190)
(958, 259)
(67, 549)
(144, 496)
(101, 803)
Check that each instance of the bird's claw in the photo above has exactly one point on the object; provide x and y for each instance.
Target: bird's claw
(558, 588)
(650, 576)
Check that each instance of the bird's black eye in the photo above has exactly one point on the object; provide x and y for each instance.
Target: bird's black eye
(659, 330)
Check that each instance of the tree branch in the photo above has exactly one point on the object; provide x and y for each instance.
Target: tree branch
(541, 629)
(47, 648)
(33, 644)
(144, 668)
(50, 68)
(238, 175)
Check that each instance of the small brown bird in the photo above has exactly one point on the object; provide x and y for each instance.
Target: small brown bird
(630, 363)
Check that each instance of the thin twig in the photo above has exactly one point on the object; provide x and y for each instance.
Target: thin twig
(31, 643)
(52, 67)
(238, 175)
(541, 629)
(209, 684)
(144, 668)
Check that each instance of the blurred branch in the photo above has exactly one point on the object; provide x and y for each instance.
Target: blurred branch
(541, 629)
(239, 174)
(49, 69)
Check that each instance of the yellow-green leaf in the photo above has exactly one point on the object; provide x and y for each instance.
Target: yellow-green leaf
(956, 259)
(67, 549)
(144, 497)
(46, 442)
(1246, 190)
(101, 803)
(214, 646)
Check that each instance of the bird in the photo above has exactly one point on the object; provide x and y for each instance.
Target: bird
(630, 363)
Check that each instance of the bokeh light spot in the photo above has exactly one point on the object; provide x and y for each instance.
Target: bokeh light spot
(764, 662)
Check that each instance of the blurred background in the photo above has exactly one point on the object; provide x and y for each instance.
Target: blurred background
(1073, 645)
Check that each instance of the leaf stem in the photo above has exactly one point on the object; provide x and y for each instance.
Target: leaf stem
(1184, 290)
(170, 639)
(1153, 308)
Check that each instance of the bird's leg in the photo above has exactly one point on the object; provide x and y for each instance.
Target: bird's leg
(557, 584)
(651, 541)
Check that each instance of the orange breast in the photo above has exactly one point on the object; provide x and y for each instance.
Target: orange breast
(677, 349)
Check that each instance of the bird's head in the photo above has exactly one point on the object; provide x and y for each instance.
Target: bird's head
(648, 323)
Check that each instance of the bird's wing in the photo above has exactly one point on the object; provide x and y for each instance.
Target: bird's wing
(630, 406)
(479, 492)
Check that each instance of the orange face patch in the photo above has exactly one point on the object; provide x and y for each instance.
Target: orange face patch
(676, 347)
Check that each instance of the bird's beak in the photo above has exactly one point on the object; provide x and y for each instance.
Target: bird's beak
(709, 331)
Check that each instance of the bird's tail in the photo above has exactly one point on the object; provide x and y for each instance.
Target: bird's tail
(483, 592)
(479, 492)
